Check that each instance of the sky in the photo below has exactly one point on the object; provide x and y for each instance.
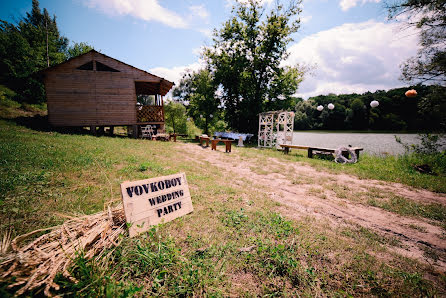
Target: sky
(349, 45)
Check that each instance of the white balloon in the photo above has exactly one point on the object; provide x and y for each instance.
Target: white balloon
(331, 106)
(374, 104)
(320, 108)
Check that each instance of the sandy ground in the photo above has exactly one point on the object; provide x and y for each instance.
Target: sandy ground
(337, 198)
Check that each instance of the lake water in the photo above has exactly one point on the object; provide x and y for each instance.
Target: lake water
(373, 143)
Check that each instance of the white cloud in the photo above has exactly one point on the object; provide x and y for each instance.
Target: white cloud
(206, 32)
(148, 10)
(174, 74)
(347, 4)
(353, 58)
(305, 19)
(199, 11)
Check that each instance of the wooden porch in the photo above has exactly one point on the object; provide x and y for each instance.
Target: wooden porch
(150, 115)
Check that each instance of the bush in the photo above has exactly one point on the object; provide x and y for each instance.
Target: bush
(7, 97)
(192, 129)
(429, 154)
(430, 144)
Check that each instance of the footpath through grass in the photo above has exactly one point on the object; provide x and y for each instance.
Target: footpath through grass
(234, 243)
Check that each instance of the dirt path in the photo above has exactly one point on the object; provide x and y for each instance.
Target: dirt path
(339, 198)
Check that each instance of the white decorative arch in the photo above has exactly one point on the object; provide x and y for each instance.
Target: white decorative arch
(275, 128)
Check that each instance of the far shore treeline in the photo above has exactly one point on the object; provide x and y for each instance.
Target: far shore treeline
(395, 112)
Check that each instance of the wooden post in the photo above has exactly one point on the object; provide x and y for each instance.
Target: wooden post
(93, 130)
(357, 153)
(135, 131)
(310, 152)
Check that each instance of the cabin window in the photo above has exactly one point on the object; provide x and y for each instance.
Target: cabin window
(103, 67)
(86, 66)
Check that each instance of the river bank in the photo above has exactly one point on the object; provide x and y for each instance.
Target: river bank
(375, 143)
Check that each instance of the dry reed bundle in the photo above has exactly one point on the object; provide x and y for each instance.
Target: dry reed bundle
(36, 264)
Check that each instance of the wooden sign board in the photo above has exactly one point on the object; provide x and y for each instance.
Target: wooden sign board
(153, 201)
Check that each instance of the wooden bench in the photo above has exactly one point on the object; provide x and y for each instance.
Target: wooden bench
(228, 143)
(161, 136)
(311, 150)
(204, 139)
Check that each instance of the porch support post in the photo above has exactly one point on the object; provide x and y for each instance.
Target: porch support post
(135, 131)
(93, 130)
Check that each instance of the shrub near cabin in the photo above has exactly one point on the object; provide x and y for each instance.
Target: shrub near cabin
(152, 201)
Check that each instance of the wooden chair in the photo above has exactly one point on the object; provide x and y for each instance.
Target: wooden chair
(147, 131)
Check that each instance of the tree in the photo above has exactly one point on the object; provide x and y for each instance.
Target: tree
(176, 117)
(429, 65)
(245, 61)
(358, 114)
(305, 114)
(198, 91)
(33, 44)
(433, 107)
(78, 49)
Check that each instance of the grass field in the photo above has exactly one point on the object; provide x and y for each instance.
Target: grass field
(234, 243)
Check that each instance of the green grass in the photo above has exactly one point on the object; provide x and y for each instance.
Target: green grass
(204, 253)
(385, 168)
(10, 109)
(404, 206)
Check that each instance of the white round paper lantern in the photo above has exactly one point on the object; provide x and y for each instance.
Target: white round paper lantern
(374, 103)
(201, 116)
(211, 115)
(331, 106)
(320, 108)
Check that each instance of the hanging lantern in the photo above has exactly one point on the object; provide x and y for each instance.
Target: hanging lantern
(211, 115)
(320, 108)
(374, 103)
(201, 116)
(411, 93)
(331, 106)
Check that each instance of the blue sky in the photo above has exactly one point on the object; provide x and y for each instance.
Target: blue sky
(349, 43)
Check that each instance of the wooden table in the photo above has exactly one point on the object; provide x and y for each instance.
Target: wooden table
(216, 141)
(174, 136)
(204, 139)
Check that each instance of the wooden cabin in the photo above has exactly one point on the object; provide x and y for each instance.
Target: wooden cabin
(99, 91)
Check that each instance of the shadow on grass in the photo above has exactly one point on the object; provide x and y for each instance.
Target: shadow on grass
(40, 123)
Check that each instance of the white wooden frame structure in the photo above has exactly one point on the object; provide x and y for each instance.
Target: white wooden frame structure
(275, 129)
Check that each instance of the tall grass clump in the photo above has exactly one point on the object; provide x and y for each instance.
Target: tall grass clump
(428, 157)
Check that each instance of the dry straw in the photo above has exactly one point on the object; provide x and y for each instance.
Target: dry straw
(36, 263)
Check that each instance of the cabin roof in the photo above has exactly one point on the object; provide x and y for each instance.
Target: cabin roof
(166, 84)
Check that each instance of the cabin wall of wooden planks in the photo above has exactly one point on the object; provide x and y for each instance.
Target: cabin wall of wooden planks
(94, 98)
